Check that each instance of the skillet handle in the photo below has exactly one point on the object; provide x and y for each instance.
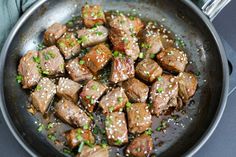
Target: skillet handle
(211, 8)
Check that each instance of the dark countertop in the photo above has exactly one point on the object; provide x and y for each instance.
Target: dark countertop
(223, 140)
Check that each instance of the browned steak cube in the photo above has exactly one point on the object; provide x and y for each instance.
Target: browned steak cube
(53, 33)
(151, 41)
(116, 129)
(70, 113)
(51, 61)
(90, 94)
(139, 118)
(68, 45)
(187, 85)
(43, 94)
(124, 43)
(173, 59)
(75, 136)
(28, 69)
(91, 37)
(93, 15)
(122, 69)
(78, 71)
(141, 146)
(115, 100)
(136, 90)
(162, 91)
(96, 151)
(148, 70)
(97, 57)
(68, 89)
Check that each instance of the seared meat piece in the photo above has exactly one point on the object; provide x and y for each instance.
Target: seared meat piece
(68, 89)
(140, 147)
(90, 94)
(122, 36)
(78, 71)
(28, 69)
(97, 57)
(75, 136)
(93, 15)
(51, 61)
(148, 70)
(122, 69)
(187, 85)
(151, 41)
(116, 129)
(68, 45)
(136, 90)
(43, 94)
(162, 91)
(139, 118)
(53, 33)
(124, 43)
(114, 100)
(96, 151)
(94, 36)
(173, 59)
(70, 113)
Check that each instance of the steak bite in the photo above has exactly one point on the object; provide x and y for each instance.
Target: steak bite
(122, 36)
(148, 70)
(139, 118)
(122, 69)
(173, 59)
(75, 136)
(96, 151)
(116, 129)
(70, 113)
(151, 41)
(68, 45)
(68, 89)
(28, 69)
(53, 33)
(90, 94)
(93, 15)
(162, 91)
(141, 146)
(51, 61)
(78, 71)
(93, 36)
(43, 94)
(115, 100)
(97, 57)
(187, 85)
(135, 90)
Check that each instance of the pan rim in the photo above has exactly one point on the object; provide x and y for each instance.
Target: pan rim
(206, 135)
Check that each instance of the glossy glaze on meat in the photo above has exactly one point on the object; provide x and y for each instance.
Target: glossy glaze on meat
(106, 79)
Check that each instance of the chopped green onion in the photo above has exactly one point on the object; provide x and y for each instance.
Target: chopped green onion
(40, 128)
(116, 53)
(50, 125)
(51, 137)
(148, 131)
(81, 147)
(145, 45)
(141, 55)
(111, 109)
(159, 90)
(120, 99)
(86, 127)
(81, 62)
(88, 143)
(179, 43)
(66, 151)
(88, 96)
(40, 47)
(45, 72)
(128, 105)
(152, 55)
(82, 39)
(19, 78)
(92, 101)
(94, 87)
(38, 88)
(118, 142)
(96, 130)
(198, 73)
(36, 59)
(99, 33)
(159, 78)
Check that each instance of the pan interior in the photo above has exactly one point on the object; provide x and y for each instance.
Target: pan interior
(200, 48)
